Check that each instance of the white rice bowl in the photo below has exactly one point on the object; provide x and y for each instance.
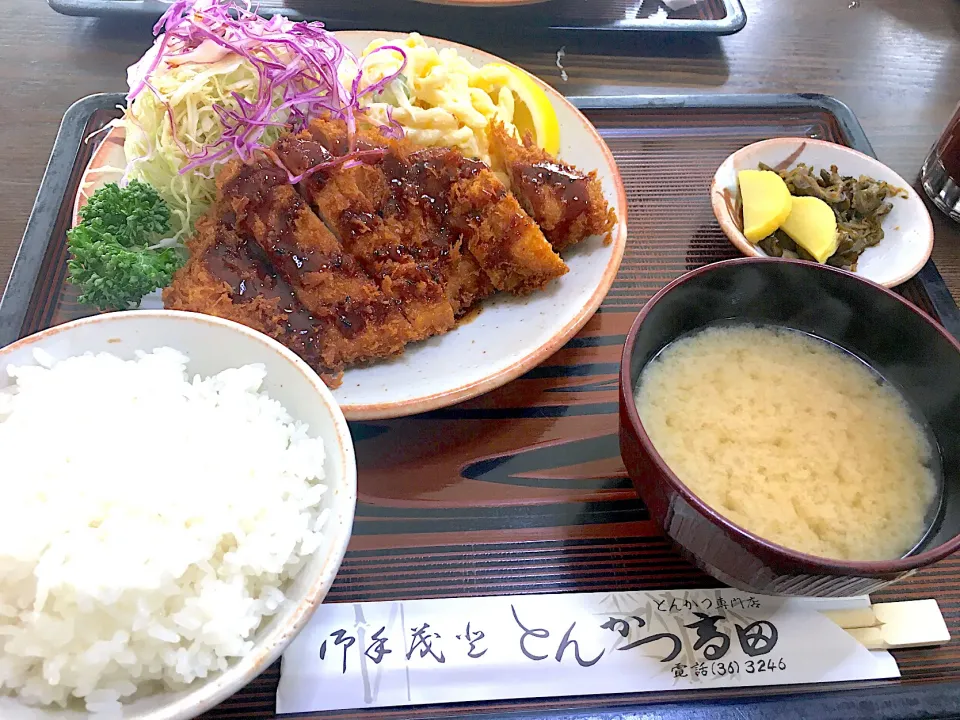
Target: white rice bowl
(151, 521)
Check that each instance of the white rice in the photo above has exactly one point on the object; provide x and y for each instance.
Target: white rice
(148, 523)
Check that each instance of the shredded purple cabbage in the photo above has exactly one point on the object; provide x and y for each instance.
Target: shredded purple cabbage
(300, 60)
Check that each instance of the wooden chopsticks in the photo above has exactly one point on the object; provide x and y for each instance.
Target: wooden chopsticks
(888, 626)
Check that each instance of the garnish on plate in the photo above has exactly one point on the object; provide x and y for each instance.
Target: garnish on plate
(441, 99)
(766, 202)
(221, 82)
(120, 252)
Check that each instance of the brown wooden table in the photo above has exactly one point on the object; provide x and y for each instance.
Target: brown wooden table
(893, 61)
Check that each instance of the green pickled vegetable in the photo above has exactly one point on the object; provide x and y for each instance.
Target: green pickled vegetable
(860, 204)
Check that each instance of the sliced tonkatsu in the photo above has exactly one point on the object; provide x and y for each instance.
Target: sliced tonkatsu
(445, 200)
(380, 244)
(261, 257)
(408, 270)
(567, 203)
(418, 208)
(502, 238)
(224, 277)
(327, 280)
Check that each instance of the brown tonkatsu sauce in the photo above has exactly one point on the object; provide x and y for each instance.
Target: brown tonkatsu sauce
(570, 185)
(339, 145)
(253, 180)
(308, 153)
(280, 250)
(248, 272)
(243, 267)
(357, 223)
(425, 180)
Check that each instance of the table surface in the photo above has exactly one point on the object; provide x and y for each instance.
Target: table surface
(894, 62)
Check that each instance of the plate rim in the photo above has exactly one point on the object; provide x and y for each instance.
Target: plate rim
(451, 396)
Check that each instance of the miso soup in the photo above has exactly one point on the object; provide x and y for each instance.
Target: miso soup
(793, 439)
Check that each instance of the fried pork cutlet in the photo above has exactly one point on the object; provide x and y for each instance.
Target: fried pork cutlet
(225, 279)
(442, 199)
(463, 198)
(365, 256)
(328, 282)
(458, 198)
(347, 200)
(421, 207)
(262, 258)
(368, 205)
(503, 239)
(567, 203)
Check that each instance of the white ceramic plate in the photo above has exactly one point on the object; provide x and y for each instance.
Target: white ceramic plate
(510, 335)
(908, 230)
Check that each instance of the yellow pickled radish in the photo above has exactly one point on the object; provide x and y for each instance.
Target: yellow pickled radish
(812, 225)
(766, 202)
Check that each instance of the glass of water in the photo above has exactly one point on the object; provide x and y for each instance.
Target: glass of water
(940, 174)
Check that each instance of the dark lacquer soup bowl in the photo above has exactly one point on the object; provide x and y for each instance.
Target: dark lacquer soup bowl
(905, 346)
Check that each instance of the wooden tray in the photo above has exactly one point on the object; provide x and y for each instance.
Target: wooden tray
(553, 17)
(522, 490)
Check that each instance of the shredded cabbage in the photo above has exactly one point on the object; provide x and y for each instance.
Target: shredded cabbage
(156, 154)
(221, 82)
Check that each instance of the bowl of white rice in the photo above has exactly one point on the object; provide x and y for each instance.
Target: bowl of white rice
(179, 492)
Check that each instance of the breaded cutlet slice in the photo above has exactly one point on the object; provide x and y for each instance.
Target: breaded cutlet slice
(348, 202)
(225, 279)
(504, 240)
(364, 323)
(491, 226)
(567, 204)
(422, 210)
(451, 201)
(427, 234)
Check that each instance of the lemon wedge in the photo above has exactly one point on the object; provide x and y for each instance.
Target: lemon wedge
(533, 111)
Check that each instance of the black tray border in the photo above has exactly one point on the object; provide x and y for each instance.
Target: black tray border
(43, 217)
(733, 22)
(915, 701)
